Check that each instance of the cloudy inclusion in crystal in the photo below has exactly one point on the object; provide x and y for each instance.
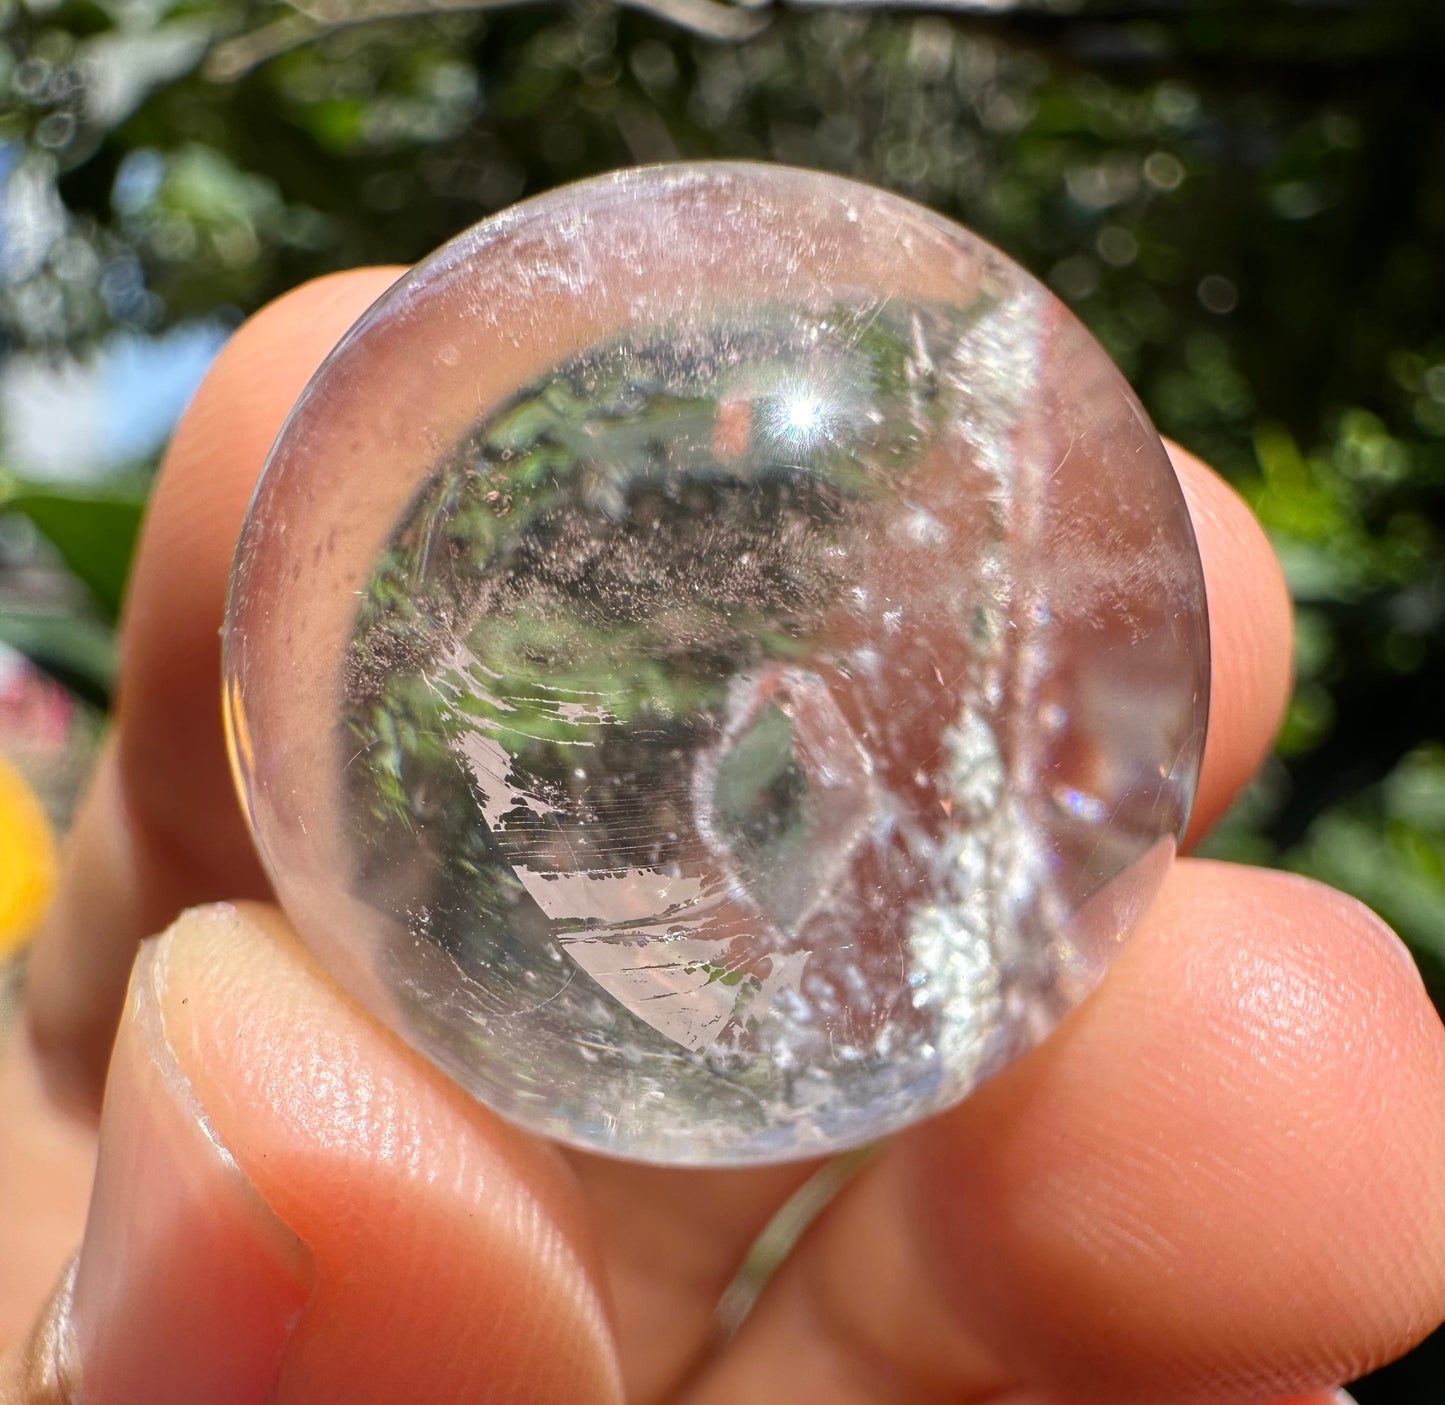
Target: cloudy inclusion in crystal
(753, 733)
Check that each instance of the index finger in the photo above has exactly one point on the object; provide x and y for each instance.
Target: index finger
(159, 829)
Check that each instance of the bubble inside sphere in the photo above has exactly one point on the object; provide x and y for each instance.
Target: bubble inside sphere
(717, 660)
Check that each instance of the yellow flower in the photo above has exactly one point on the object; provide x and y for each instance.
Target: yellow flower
(27, 859)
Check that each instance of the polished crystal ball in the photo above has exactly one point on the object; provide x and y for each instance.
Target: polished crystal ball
(717, 660)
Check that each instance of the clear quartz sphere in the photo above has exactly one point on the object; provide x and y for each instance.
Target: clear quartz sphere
(718, 661)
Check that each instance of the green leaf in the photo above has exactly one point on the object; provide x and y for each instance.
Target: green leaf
(93, 529)
(80, 653)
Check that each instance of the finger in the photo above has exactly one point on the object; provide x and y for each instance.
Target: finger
(292, 1208)
(671, 1241)
(1220, 1180)
(1250, 633)
(47, 1160)
(160, 827)
(1336, 1396)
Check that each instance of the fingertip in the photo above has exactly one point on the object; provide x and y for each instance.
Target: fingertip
(1250, 634)
(290, 1206)
(187, 1285)
(452, 1255)
(1221, 1176)
(171, 756)
(160, 827)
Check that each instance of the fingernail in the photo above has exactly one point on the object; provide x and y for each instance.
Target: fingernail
(188, 1286)
(1342, 1396)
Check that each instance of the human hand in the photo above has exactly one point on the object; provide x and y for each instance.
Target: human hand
(1219, 1180)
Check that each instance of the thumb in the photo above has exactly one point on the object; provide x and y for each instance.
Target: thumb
(289, 1208)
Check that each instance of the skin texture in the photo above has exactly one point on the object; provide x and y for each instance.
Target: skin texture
(1218, 1181)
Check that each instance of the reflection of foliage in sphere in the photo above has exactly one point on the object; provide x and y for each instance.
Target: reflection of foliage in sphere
(559, 544)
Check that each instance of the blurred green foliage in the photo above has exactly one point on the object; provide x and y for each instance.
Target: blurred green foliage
(1243, 200)
(93, 529)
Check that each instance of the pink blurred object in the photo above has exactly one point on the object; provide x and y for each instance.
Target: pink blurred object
(46, 733)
